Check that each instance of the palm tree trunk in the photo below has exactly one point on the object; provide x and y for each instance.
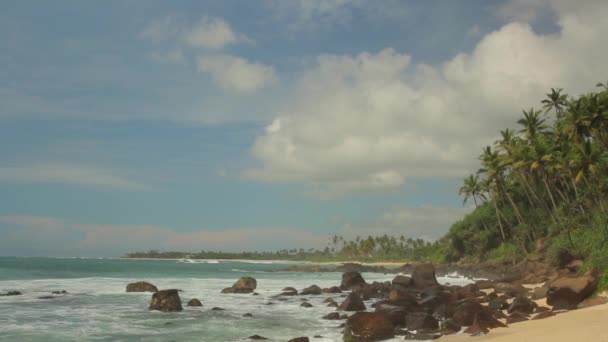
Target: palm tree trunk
(502, 231)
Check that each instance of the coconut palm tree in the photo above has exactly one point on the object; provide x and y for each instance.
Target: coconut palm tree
(532, 123)
(555, 100)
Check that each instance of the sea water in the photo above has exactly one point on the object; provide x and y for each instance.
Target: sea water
(97, 307)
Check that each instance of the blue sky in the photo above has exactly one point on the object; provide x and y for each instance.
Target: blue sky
(238, 125)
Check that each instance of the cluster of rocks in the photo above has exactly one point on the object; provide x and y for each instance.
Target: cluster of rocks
(420, 308)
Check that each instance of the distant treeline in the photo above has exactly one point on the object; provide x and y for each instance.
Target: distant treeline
(382, 248)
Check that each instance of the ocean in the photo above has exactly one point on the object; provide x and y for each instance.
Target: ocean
(97, 307)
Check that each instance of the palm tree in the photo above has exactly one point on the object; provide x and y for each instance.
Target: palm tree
(602, 85)
(471, 189)
(532, 123)
(555, 100)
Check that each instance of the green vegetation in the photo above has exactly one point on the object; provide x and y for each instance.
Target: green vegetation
(541, 187)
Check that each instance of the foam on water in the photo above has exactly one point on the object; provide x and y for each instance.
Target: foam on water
(98, 308)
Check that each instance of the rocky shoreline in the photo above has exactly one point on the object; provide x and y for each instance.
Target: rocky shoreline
(417, 307)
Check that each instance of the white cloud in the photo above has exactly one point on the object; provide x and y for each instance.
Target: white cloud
(353, 118)
(236, 73)
(67, 174)
(425, 222)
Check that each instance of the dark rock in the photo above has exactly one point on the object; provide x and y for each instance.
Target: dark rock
(306, 305)
(421, 321)
(449, 327)
(352, 303)
(368, 326)
(311, 290)
(257, 337)
(466, 312)
(166, 300)
(194, 302)
(289, 289)
(242, 285)
(329, 300)
(248, 315)
(299, 339)
(141, 286)
(335, 316)
(333, 289)
(11, 293)
(522, 304)
(351, 280)
(255, 294)
(498, 304)
(289, 293)
(332, 305)
(62, 292)
(402, 280)
(517, 317)
(568, 292)
(424, 276)
(46, 297)
(544, 315)
(215, 308)
(374, 290)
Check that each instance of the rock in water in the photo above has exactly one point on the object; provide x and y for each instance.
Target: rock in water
(311, 290)
(257, 338)
(368, 326)
(424, 276)
(141, 286)
(351, 280)
(166, 300)
(11, 293)
(567, 293)
(352, 303)
(194, 302)
(421, 321)
(243, 285)
(299, 339)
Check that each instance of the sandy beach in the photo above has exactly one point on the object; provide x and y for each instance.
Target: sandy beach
(589, 325)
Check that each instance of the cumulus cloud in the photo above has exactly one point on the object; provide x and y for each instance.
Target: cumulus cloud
(236, 73)
(57, 236)
(427, 222)
(371, 121)
(67, 174)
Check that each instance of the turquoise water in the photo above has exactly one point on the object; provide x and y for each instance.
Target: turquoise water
(97, 307)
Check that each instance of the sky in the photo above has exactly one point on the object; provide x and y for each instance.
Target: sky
(258, 125)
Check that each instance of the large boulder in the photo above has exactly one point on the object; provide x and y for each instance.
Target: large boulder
(352, 280)
(299, 339)
(243, 285)
(11, 293)
(567, 292)
(311, 290)
(510, 289)
(166, 300)
(421, 321)
(352, 303)
(368, 326)
(424, 276)
(465, 312)
(402, 280)
(141, 286)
